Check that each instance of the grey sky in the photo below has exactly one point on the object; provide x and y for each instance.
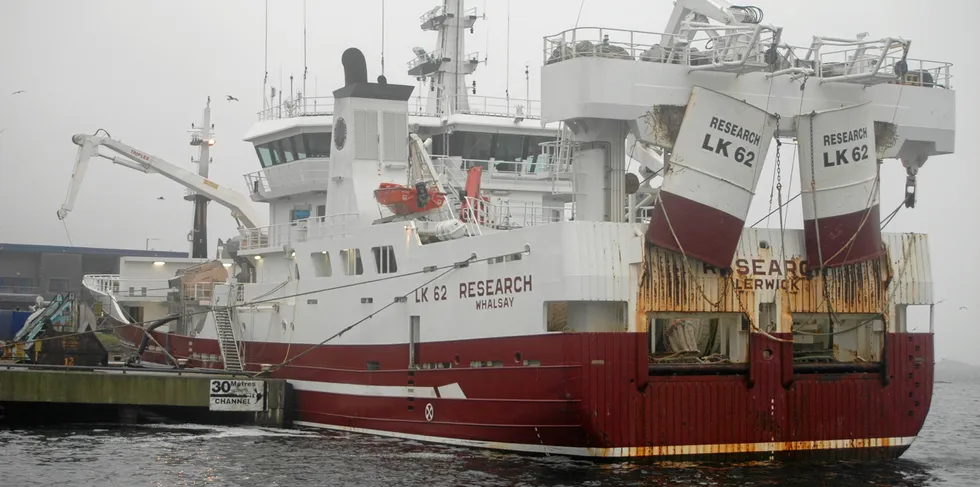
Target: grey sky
(142, 71)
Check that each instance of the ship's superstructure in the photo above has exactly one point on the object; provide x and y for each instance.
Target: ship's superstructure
(404, 291)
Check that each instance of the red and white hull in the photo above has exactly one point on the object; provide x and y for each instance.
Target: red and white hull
(594, 395)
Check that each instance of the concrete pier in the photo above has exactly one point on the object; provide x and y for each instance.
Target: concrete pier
(30, 394)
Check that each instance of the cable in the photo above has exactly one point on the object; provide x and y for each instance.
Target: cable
(777, 209)
(369, 316)
(287, 296)
(67, 233)
(891, 216)
(579, 16)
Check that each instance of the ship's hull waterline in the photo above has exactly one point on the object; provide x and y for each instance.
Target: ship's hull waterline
(596, 395)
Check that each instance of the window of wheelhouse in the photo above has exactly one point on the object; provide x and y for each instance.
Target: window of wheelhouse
(505, 148)
(294, 148)
(299, 144)
(286, 147)
(267, 156)
(318, 144)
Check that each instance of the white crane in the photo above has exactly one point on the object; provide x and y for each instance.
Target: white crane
(88, 146)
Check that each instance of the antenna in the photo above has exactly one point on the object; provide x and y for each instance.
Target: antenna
(305, 67)
(265, 79)
(527, 86)
(382, 37)
(486, 50)
(507, 82)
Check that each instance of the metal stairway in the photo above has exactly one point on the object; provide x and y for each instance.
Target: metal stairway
(226, 338)
(454, 180)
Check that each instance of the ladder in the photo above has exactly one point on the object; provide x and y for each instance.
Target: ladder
(455, 182)
(226, 339)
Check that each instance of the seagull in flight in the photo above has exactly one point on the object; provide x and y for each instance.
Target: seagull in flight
(17, 92)
(231, 98)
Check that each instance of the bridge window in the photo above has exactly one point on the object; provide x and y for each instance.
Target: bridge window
(318, 145)
(287, 149)
(484, 146)
(299, 146)
(509, 147)
(266, 156)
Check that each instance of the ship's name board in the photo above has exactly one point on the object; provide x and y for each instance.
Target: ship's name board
(486, 293)
(495, 293)
(856, 153)
(763, 274)
(722, 145)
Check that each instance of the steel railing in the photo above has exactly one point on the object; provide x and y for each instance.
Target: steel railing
(284, 235)
(748, 48)
(493, 106)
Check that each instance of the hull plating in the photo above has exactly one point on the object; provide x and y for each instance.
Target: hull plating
(706, 233)
(595, 395)
(844, 239)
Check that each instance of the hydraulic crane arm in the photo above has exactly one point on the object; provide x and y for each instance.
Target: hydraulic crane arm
(88, 146)
(704, 10)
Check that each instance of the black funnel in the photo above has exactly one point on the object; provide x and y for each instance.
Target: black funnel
(355, 68)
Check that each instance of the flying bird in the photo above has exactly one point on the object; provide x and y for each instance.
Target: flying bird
(17, 92)
(962, 307)
(231, 98)
(160, 198)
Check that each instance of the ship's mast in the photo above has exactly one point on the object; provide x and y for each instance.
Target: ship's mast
(447, 66)
(202, 137)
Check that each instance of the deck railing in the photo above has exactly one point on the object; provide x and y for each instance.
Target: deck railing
(748, 48)
(284, 235)
(506, 215)
(492, 106)
(120, 287)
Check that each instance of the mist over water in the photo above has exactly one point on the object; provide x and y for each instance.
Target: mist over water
(947, 453)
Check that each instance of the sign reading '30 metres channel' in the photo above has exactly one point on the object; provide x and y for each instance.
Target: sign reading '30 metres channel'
(237, 395)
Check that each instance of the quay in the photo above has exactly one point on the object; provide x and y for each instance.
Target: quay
(31, 394)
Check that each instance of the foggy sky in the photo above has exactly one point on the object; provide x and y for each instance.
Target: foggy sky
(142, 71)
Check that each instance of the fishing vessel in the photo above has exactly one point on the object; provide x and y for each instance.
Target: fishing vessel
(560, 320)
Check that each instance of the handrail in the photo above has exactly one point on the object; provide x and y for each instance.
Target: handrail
(505, 215)
(746, 49)
(283, 235)
(128, 287)
(544, 167)
(494, 106)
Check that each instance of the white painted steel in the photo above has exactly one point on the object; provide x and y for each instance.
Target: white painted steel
(912, 268)
(626, 89)
(842, 182)
(724, 175)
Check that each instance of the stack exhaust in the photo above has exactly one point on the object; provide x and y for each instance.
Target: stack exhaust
(838, 158)
(715, 162)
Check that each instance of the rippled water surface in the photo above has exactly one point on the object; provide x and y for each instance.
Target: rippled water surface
(947, 453)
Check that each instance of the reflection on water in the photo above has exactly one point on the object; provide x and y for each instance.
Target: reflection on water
(947, 453)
